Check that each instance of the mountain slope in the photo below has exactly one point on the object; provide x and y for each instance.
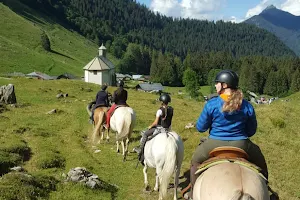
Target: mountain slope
(21, 44)
(283, 24)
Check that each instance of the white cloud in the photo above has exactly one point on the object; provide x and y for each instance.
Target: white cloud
(259, 8)
(291, 6)
(234, 19)
(197, 9)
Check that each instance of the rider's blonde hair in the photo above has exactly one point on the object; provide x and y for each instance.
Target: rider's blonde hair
(234, 102)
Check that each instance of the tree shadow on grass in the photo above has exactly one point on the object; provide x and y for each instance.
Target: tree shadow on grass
(55, 52)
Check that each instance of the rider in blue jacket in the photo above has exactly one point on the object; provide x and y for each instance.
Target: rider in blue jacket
(231, 121)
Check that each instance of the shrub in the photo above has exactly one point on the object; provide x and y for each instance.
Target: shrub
(8, 160)
(19, 186)
(17, 146)
(45, 41)
(278, 122)
(51, 159)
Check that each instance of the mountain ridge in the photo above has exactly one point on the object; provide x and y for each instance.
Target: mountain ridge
(284, 25)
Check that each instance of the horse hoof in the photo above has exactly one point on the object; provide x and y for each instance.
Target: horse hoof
(147, 189)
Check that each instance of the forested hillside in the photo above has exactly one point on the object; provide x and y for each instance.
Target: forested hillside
(119, 22)
(146, 43)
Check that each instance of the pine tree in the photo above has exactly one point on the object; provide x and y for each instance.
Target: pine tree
(190, 82)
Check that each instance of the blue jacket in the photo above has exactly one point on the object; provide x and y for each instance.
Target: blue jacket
(237, 125)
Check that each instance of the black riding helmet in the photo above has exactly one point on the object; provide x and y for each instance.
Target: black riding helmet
(229, 77)
(103, 87)
(120, 83)
(165, 98)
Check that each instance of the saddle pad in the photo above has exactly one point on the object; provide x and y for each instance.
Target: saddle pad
(157, 131)
(241, 162)
(118, 106)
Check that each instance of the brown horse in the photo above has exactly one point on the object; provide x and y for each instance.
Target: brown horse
(99, 121)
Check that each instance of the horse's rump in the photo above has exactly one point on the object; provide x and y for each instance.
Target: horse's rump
(165, 153)
(230, 181)
(100, 114)
(123, 121)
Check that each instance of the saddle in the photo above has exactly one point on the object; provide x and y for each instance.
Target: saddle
(229, 154)
(118, 106)
(157, 131)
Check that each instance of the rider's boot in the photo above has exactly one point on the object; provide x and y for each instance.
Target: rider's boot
(140, 150)
(193, 178)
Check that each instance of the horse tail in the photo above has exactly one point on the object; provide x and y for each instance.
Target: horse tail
(125, 126)
(239, 195)
(97, 128)
(88, 109)
(169, 165)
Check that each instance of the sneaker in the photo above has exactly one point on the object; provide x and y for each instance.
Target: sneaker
(187, 197)
(90, 121)
(105, 126)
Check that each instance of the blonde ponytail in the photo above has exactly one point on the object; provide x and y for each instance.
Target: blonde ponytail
(234, 101)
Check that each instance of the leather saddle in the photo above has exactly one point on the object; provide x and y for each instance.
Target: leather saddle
(228, 154)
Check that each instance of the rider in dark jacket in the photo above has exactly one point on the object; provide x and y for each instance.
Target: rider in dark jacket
(163, 119)
(101, 100)
(119, 98)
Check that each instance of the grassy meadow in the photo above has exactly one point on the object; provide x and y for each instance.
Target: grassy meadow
(21, 44)
(49, 145)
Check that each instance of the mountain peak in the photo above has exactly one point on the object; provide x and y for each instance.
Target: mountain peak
(269, 7)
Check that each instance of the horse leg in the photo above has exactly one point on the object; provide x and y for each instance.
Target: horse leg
(101, 132)
(126, 148)
(176, 181)
(118, 150)
(107, 135)
(123, 149)
(158, 171)
(147, 187)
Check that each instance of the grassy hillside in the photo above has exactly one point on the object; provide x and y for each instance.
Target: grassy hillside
(21, 45)
(58, 142)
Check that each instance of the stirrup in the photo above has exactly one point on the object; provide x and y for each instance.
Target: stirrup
(185, 192)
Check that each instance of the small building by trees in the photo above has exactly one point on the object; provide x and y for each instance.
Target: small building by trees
(149, 87)
(100, 70)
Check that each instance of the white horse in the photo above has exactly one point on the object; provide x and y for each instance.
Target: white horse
(230, 181)
(122, 122)
(165, 153)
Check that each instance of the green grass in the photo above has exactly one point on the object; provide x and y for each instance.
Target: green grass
(21, 49)
(60, 141)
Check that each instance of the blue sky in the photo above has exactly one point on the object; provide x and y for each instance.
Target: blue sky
(228, 10)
